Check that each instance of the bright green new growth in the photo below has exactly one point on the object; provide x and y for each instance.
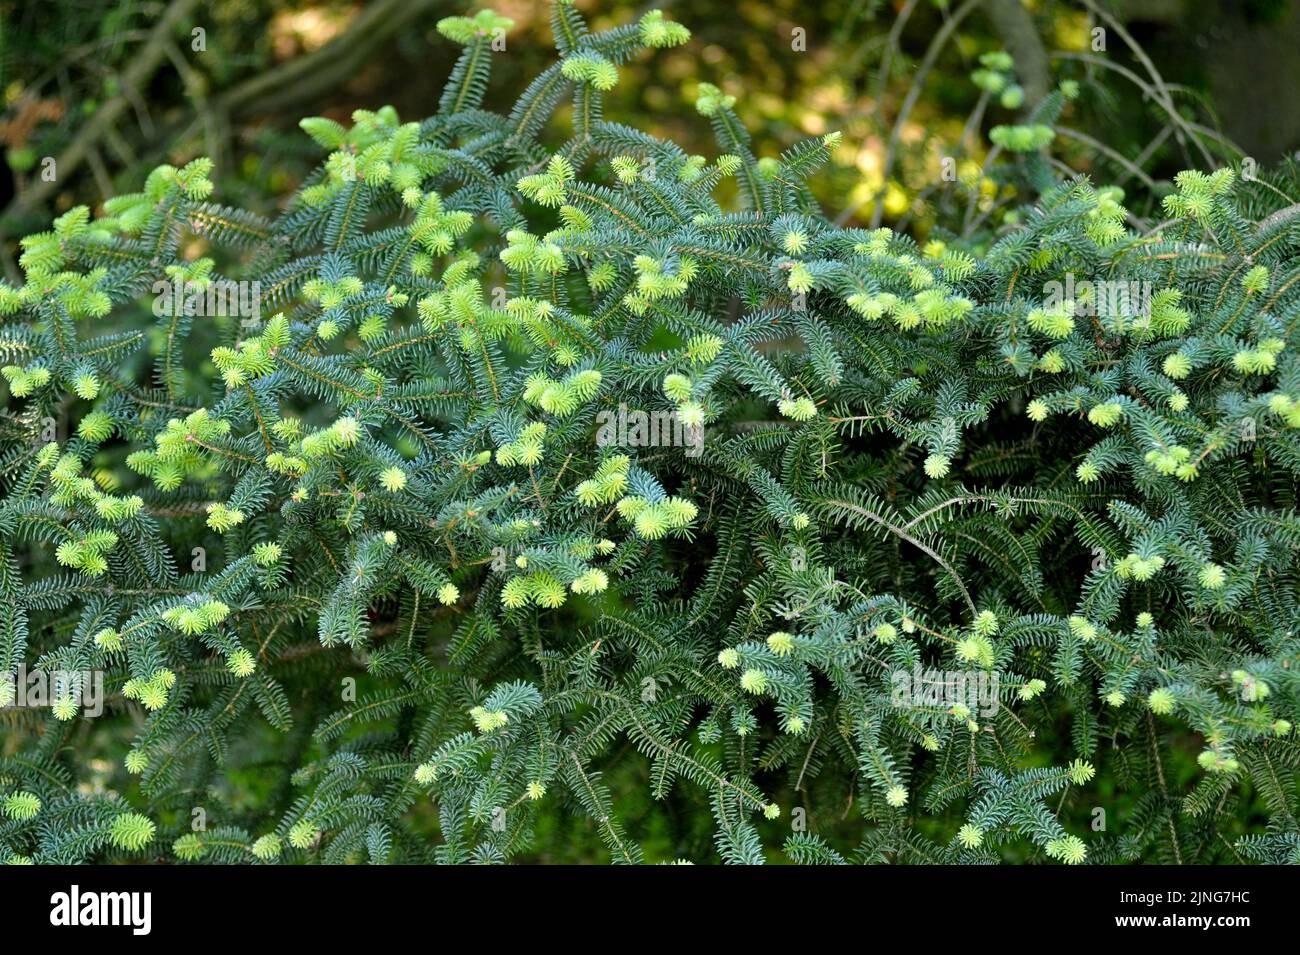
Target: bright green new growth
(431, 597)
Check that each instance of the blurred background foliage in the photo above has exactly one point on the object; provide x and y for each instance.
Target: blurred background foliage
(109, 89)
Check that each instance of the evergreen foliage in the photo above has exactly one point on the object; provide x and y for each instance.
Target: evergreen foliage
(432, 605)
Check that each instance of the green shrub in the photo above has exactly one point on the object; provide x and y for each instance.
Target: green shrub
(550, 481)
